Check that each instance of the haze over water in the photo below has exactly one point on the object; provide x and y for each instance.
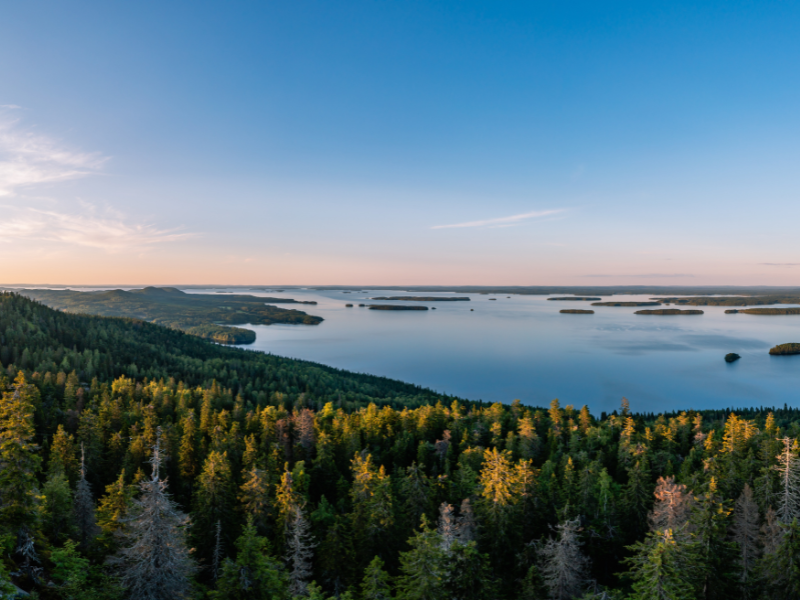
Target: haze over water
(521, 347)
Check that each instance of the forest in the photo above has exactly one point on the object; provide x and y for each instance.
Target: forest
(209, 316)
(140, 462)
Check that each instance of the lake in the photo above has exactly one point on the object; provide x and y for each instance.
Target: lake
(521, 347)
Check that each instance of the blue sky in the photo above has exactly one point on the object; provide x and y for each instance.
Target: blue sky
(399, 142)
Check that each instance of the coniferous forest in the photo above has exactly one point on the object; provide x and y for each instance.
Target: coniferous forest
(140, 462)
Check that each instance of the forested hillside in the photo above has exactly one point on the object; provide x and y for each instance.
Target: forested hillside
(303, 481)
(209, 316)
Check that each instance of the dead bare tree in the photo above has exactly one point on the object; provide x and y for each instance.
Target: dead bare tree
(154, 561)
(672, 506)
(299, 552)
(563, 565)
(448, 527)
(745, 531)
(466, 526)
(789, 468)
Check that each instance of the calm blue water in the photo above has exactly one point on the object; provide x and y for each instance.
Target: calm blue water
(521, 347)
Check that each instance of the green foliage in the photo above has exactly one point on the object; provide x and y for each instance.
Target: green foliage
(19, 460)
(251, 438)
(254, 575)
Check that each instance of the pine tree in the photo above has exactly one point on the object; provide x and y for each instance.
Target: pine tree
(563, 565)
(154, 561)
(745, 533)
(83, 509)
(19, 461)
(254, 575)
(377, 584)
(299, 552)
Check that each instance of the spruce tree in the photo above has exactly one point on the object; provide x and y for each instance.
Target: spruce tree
(661, 569)
(254, 575)
(214, 501)
(83, 509)
(377, 583)
(780, 569)
(57, 509)
(423, 569)
(154, 561)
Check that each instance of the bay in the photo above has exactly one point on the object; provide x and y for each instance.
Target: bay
(521, 347)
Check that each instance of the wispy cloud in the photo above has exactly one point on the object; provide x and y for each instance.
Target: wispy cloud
(644, 275)
(780, 264)
(83, 230)
(28, 158)
(502, 221)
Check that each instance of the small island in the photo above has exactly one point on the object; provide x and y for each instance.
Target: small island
(627, 304)
(425, 298)
(764, 311)
(348, 306)
(576, 311)
(580, 298)
(668, 311)
(785, 349)
(395, 307)
(732, 357)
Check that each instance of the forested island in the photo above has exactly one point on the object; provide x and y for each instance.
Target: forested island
(764, 311)
(303, 481)
(577, 298)
(668, 311)
(576, 311)
(395, 307)
(754, 300)
(626, 304)
(207, 316)
(425, 298)
(785, 349)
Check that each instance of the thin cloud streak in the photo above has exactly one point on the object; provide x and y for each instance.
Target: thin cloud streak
(646, 275)
(501, 221)
(28, 158)
(780, 264)
(89, 231)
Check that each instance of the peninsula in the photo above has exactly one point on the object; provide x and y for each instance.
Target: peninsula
(209, 316)
(755, 300)
(764, 311)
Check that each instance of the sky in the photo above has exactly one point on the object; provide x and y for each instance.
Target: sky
(399, 143)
